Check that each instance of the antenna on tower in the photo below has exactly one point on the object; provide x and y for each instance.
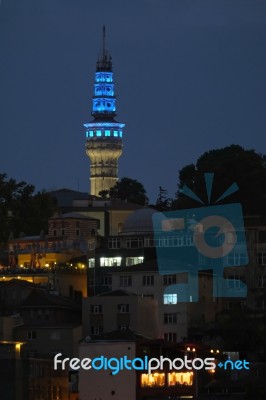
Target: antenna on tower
(103, 41)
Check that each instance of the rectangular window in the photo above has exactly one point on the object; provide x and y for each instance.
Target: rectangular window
(107, 133)
(123, 327)
(31, 335)
(234, 282)
(149, 242)
(134, 243)
(95, 330)
(261, 281)
(148, 280)
(169, 318)
(237, 259)
(261, 258)
(170, 298)
(152, 380)
(115, 133)
(96, 309)
(180, 378)
(98, 133)
(150, 296)
(106, 280)
(125, 281)
(123, 308)
(169, 279)
(188, 241)
(114, 243)
(134, 260)
(170, 336)
(110, 261)
(91, 133)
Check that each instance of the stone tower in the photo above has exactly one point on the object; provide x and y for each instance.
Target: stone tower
(103, 133)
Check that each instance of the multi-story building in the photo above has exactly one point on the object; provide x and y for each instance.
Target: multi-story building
(128, 261)
(132, 383)
(119, 310)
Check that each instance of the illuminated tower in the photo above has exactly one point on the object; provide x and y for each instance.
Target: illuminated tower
(103, 133)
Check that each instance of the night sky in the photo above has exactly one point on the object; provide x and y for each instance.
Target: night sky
(189, 77)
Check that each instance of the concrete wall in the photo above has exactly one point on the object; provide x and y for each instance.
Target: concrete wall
(96, 385)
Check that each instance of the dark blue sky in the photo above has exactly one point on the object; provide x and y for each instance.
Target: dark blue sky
(189, 75)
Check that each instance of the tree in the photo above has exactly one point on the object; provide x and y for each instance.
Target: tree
(163, 203)
(127, 189)
(21, 210)
(242, 330)
(230, 164)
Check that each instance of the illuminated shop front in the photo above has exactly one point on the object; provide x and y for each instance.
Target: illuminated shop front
(170, 379)
(180, 378)
(153, 380)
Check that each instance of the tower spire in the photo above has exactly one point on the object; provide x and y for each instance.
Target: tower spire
(104, 62)
(103, 41)
(104, 133)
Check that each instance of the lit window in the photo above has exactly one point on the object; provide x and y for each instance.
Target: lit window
(98, 133)
(91, 262)
(87, 133)
(91, 133)
(115, 133)
(120, 134)
(134, 260)
(151, 380)
(110, 262)
(180, 378)
(107, 133)
(170, 298)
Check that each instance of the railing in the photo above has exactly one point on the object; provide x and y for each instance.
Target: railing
(41, 271)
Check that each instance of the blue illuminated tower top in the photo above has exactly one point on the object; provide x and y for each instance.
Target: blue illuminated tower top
(103, 134)
(104, 101)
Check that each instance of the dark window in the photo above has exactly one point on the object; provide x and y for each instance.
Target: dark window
(169, 279)
(31, 335)
(125, 280)
(96, 308)
(170, 318)
(148, 280)
(123, 308)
